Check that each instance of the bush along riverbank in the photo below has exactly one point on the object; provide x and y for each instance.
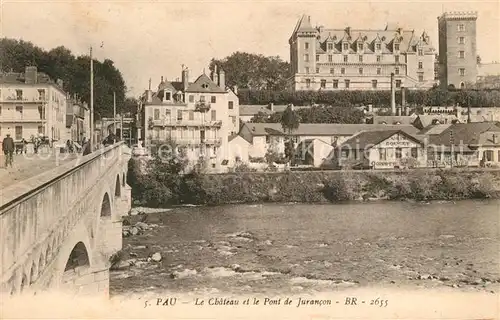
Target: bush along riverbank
(161, 185)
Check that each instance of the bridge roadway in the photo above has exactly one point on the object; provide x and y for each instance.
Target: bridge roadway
(60, 221)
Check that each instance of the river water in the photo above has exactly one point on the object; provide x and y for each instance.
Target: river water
(276, 248)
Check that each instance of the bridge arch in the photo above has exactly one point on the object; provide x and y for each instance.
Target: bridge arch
(105, 206)
(78, 257)
(118, 191)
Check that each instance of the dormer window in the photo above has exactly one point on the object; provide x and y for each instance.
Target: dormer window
(378, 46)
(204, 86)
(420, 51)
(396, 47)
(345, 45)
(330, 46)
(360, 46)
(168, 96)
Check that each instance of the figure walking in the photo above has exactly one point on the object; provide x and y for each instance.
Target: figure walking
(8, 150)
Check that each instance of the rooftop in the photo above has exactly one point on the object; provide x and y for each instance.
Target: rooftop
(467, 133)
(368, 139)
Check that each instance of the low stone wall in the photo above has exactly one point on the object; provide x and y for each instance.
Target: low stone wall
(315, 186)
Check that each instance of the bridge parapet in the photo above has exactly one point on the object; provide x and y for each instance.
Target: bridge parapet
(64, 220)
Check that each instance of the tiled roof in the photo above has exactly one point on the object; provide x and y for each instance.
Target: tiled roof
(427, 120)
(323, 129)
(467, 133)
(15, 77)
(437, 129)
(393, 119)
(204, 84)
(370, 138)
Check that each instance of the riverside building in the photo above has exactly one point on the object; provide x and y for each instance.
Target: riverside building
(32, 104)
(358, 59)
(198, 116)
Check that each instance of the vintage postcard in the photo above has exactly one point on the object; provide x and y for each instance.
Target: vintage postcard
(249, 159)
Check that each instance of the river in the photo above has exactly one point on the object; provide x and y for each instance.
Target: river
(276, 248)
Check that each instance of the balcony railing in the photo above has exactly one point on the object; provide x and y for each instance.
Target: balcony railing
(197, 141)
(21, 119)
(15, 99)
(184, 123)
(202, 106)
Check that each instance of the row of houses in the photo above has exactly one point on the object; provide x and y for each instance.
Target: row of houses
(372, 145)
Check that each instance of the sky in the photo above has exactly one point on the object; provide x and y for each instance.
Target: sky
(150, 39)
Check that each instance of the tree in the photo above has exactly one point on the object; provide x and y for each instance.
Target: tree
(60, 63)
(290, 121)
(248, 70)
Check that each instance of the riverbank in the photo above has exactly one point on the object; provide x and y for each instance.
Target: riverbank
(160, 189)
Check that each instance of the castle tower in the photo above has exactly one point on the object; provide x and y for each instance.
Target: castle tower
(457, 48)
(303, 47)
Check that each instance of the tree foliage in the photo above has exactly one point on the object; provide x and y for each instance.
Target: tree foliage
(254, 71)
(382, 98)
(60, 63)
(316, 114)
(290, 120)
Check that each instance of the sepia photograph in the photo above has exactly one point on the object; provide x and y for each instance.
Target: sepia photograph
(249, 159)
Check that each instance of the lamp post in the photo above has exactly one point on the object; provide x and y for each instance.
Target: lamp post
(92, 138)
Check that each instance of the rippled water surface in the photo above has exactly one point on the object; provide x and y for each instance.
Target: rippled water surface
(297, 247)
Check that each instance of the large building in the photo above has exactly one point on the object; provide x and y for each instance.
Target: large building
(32, 104)
(351, 59)
(198, 115)
(457, 49)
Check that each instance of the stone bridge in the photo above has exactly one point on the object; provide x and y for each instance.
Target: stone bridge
(59, 229)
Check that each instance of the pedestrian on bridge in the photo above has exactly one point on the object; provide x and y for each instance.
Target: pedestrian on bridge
(8, 150)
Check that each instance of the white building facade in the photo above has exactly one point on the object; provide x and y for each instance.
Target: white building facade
(32, 104)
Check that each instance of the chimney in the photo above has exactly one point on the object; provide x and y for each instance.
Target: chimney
(161, 79)
(215, 76)
(31, 75)
(185, 79)
(271, 106)
(494, 138)
(149, 96)
(393, 95)
(222, 79)
(60, 83)
(235, 89)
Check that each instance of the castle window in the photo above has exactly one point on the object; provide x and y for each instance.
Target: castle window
(379, 70)
(461, 54)
(168, 96)
(461, 71)
(346, 46)
(191, 98)
(378, 46)
(308, 83)
(398, 83)
(330, 58)
(461, 27)
(342, 70)
(374, 84)
(230, 105)
(360, 58)
(347, 83)
(156, 115)
(317, 57)
(346, 58)
(379, 58)
(332, 70)
(396, 58)
(323, 84)
(330, 46)
(306, 45)
(306, 57)
(335, 84)
(420, 52)
(179, 115)
(461, 40)
(317, 70)
(360, 70)
(420, 65)
(213, 99)
(396, 70)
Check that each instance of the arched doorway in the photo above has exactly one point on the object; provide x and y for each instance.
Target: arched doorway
(106, 206)
(118, 187)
